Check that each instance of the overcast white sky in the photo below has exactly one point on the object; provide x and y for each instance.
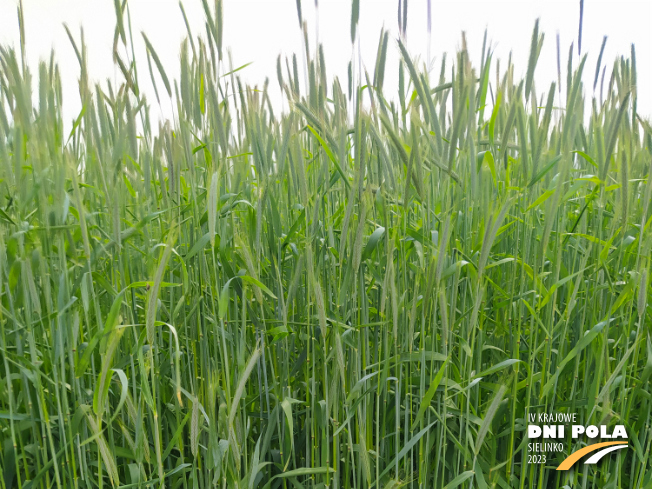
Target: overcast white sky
(257, 31)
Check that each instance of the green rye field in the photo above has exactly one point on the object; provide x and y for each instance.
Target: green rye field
(368, 290)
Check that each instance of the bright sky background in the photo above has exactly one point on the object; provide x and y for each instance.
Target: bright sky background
(257, 31)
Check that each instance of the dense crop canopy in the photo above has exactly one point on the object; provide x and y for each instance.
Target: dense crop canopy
(355, 293)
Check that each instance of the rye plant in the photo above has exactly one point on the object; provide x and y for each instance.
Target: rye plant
(367, 290)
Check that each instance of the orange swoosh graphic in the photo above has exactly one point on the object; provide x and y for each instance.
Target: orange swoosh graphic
(575, 456)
